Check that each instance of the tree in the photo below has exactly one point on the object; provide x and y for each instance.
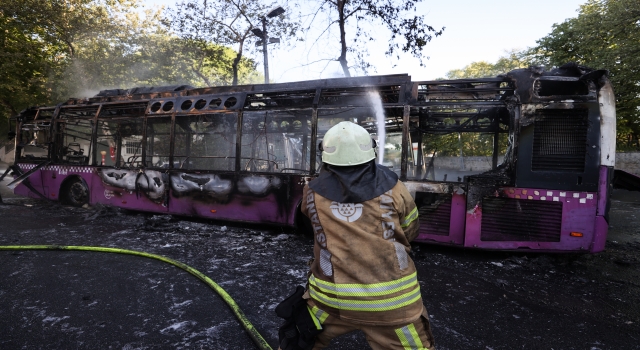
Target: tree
(30, 48)
(224, 23)
(39, 40)
(483, 69)
(56, 49)
(408, 31)
(144, 52)
(23, 63)
(605, 35)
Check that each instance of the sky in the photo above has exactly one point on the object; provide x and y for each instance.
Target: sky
(475, 30)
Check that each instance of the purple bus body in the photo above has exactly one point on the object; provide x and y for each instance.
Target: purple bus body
(268, 209)
(49, 179)
(582, 212)
(456, 225)
(577, 216)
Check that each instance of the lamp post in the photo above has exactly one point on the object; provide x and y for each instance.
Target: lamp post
(262, 34)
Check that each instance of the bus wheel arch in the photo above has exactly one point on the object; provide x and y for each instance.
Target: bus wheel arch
(74, 191)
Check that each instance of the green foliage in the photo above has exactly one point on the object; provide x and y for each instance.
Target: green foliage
(56, 49)
(484, 69)
(605, 35)
(24, 60)
(227, 23)
(472, 144)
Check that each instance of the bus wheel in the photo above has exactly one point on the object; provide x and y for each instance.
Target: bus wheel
(77, 193)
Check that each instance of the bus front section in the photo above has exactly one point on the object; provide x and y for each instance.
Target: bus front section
(520, 162)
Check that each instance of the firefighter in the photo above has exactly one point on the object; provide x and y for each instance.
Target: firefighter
(363, 219)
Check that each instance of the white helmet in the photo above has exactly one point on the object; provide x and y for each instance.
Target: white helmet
(347, 144)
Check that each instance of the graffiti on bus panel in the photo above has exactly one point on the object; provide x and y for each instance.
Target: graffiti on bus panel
(214, 187)
(148, 182)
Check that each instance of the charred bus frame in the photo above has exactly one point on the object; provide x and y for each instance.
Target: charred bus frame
(243, 153)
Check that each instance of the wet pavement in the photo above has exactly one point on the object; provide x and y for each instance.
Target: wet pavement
(476, 299)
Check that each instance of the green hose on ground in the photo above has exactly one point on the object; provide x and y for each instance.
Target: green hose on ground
(253, 333)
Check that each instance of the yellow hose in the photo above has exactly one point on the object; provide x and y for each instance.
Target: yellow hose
(253, 333)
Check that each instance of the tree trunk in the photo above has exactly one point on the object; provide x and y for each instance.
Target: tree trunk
(201, 76)
(343, 41)
(234, 66)
(72, 50)
(236, 61)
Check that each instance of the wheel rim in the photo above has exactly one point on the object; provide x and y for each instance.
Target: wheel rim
(78, 193)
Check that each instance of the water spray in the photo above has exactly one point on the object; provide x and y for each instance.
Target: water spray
(376, 103)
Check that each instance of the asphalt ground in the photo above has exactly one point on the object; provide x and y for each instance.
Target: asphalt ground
(476, 299)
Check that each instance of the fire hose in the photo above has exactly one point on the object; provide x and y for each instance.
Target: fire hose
(257, 339)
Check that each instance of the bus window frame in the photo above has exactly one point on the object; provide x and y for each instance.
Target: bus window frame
(107, 107)
(306, 133)
(57, 139)
(37, 119)
(187, 157)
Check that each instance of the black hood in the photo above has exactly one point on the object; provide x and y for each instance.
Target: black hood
(353, 184)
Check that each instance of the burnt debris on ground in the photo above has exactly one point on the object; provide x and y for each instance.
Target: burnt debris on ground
(479, 300)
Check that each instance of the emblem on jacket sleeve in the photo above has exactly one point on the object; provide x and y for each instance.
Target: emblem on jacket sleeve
(348, 212)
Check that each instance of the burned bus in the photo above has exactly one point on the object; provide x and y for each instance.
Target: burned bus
(522, 161)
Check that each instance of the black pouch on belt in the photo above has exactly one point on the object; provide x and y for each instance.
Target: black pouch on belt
(299, 330)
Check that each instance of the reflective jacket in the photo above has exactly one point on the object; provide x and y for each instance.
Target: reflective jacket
(362, 271)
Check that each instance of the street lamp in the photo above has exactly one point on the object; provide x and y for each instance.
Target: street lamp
(262, 34)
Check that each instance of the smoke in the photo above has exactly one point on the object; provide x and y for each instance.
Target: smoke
(86, 93)
(79, 80)
(376, 103)
(84, 78)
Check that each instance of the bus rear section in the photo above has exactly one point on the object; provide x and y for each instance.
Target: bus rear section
(535, 173)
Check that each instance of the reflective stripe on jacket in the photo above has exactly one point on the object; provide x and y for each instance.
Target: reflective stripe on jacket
(362, 271)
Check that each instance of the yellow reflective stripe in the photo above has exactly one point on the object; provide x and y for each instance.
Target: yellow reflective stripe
(403, 339)
(321, 315)
(409, 337)
(410, 218)
(315, 319)
(365, 290)
(368, 305)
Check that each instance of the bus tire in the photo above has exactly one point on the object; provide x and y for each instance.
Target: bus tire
(76, 193)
